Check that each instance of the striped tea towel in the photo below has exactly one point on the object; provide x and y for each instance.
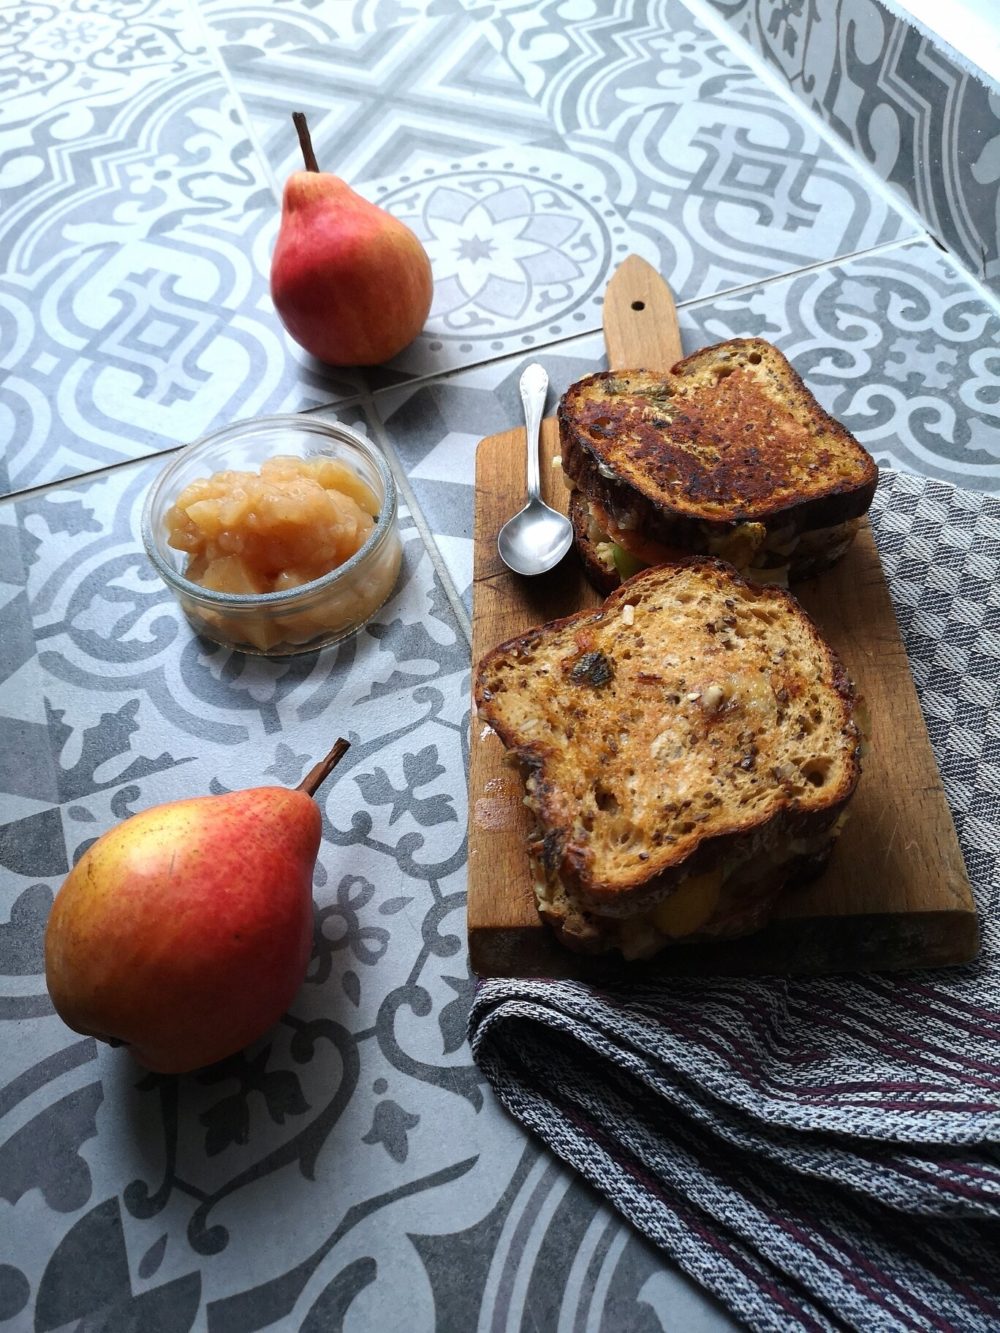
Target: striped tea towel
(820, 1154)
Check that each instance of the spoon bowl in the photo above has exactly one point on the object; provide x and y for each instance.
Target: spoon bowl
(538, 536)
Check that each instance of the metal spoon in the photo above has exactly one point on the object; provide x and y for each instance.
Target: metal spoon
(538, 537)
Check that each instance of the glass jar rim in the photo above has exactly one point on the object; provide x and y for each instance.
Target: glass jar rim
(235, 601)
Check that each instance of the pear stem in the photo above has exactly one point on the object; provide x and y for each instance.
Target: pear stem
(305, 141)
(324, 768)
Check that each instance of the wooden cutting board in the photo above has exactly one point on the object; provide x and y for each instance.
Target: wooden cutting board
(895, 894)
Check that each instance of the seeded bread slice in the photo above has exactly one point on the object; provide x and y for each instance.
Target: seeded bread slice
(693, 721)
(731, 436)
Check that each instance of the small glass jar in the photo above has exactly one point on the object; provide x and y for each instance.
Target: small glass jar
(279, 624)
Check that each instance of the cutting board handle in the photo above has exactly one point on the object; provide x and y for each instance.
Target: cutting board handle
(640, 319)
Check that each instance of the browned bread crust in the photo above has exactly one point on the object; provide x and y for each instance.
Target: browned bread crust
(742, 909)
(730, 435)
(708, 724)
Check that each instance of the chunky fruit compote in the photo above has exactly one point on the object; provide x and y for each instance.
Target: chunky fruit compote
(273, 530)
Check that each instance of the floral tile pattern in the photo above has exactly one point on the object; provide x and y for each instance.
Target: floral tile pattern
(522, 246)
(99, 97)
(704, 160)
(172, 154)
(163, 1191)
(247, 31)
(925, 122)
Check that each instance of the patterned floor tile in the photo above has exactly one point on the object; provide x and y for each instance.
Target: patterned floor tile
(704, 160)
(898, 346)
(118, 351)
(434, 90)
(170, 154)
(360, 1119)
(522, 243)
(79, 53)
(246, 32)
(100, 97)
(924, 118)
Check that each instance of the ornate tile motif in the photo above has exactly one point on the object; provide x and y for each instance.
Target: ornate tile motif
(98, 99)
(924, 122)
(434, 91)
(704, 161)
(117, 351)
(246, 32)
(522, 245)
(172, 153)
(76, 54)
(898, 346)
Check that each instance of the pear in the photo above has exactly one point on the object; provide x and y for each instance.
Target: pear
(185, 931)
(351, 283)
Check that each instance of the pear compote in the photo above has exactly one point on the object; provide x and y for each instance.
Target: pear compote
(273, 531)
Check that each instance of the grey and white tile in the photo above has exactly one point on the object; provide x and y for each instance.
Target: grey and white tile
(360, 1120)
(925, 121)
(248, 31)
(898, 346)
(433, 89)
(702, 158)
(98, 98)
(172, 152)
(117, 351)
(522, 244)
(65, 57)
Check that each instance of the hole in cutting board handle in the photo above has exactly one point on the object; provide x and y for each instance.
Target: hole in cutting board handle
(638, 305)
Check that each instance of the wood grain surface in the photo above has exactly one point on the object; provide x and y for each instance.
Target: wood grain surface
(895, 894)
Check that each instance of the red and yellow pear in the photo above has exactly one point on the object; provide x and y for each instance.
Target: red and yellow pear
(185, 931)
(350, 282)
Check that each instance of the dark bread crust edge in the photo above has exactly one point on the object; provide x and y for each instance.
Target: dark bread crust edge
(598, 575)
(652, 883)
(582, 460)
(576, 930)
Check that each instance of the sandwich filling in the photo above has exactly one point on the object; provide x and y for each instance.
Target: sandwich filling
(735, 898)
(763, 555)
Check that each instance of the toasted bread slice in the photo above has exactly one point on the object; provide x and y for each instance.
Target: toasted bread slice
(692, 725)
(730, 438)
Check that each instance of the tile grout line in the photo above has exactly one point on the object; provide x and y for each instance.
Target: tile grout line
(693, 303)
(421, 381)
(229, 81)
(96, 474)
(817, 266)
(79, 478)
(420, 522)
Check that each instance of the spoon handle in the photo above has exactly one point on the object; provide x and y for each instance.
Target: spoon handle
(534, 387)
